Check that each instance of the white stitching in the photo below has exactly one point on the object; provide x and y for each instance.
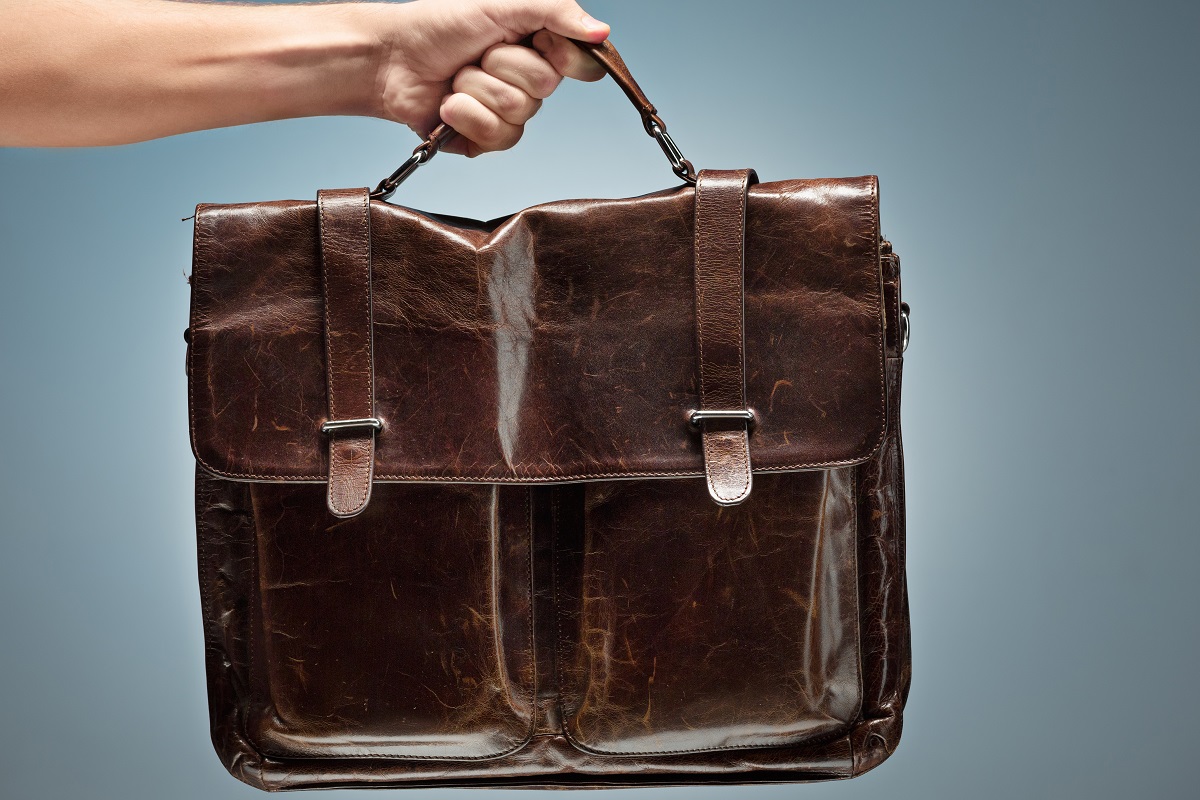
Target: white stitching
(325, 284)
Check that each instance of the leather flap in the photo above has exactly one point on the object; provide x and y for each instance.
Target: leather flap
(556, 344)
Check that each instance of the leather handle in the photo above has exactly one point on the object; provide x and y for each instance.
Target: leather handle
(606, 56)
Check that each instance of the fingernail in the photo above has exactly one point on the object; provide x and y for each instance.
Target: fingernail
(592, 24)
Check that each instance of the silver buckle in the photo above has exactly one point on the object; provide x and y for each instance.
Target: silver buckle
(701, 415)
(335, 425)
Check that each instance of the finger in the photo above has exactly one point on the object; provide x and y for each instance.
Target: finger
(460, 146)
(510, 103)
(561, 16)
(479, 124)
(566, 57)
(522, 67)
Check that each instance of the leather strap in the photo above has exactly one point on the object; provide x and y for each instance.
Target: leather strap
(345, 232)
(607, 57)
(720, 289)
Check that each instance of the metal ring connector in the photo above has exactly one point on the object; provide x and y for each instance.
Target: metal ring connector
(904, 326)
(746, 415)
(387, 187)
(335, 425)
(679, 165)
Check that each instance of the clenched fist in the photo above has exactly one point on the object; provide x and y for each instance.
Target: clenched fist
(96, 72)
(459, 61)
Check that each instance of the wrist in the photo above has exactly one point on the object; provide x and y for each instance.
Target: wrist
(332, 56)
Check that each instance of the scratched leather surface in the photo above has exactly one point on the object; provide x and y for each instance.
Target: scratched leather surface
(701, 630)
(559, 343)
(595, 633)
(345, 239)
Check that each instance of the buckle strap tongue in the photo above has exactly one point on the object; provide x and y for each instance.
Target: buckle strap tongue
(345, 232)
(724, 418)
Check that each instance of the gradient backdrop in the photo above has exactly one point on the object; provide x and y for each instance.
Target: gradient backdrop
(1039, 176)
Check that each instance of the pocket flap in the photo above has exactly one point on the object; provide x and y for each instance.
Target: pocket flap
(556, 344)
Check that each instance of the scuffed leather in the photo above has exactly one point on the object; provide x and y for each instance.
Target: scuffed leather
(694, 629)
(345, 239)
(727, 462)
(596, 632)
(766, 642)
(720, 242)
(885, 635)
(555, 344)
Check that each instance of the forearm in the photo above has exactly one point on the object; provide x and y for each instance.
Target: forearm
(129, 70)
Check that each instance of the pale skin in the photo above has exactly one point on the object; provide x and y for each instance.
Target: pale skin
(78, 73)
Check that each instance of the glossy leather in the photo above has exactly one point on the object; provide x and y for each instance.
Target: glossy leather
(558, 343)
(519, 604)
(720, 248)
(345, 239)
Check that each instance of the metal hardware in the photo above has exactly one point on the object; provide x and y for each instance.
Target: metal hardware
(701, 415)
(904, 326)
(443, 133)
(335, 425)
(387, 187)
(679, 165)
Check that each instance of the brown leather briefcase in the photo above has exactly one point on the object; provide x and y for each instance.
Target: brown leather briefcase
(601, 493)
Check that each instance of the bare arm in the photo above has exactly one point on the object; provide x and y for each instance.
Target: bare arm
(100, 72)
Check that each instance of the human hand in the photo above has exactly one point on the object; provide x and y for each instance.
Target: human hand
(102, 72)
(458, 62)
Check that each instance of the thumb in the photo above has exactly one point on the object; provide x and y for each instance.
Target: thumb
(563, 17)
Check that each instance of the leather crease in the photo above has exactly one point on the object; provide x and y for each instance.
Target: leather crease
(510, 292)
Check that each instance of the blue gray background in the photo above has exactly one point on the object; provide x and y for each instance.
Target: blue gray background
(1039, 177)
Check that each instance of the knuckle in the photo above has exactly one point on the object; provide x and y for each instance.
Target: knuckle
(465, 77)
(559, 58)
(543, 40)
(498, 56)
(509, 101)
(489, 133)
(547, 83)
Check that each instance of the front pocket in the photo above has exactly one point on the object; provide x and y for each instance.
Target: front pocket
(687, 626)
(401, 632)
